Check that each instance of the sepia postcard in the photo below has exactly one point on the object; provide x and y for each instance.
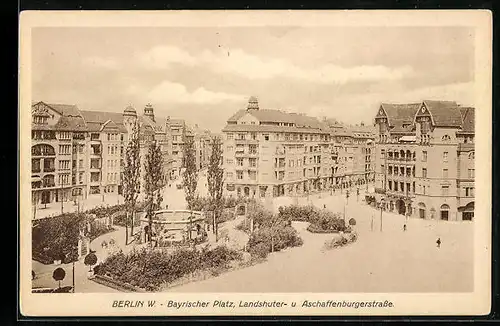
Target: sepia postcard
(198, 163)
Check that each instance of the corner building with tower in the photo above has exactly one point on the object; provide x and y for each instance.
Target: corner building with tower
(424, 159)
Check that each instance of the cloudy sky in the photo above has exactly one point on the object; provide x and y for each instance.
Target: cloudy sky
(206, 74)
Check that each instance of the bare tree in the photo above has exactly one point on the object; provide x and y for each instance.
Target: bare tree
(190, 175)
(131, 177)
(215, 181)
(153, 178)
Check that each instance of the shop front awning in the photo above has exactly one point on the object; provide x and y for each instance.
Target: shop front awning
(467, 208)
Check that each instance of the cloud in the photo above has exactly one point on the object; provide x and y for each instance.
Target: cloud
(170, 92)
(100, 62)
(250, 66)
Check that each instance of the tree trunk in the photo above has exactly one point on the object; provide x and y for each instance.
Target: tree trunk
(126, 227)
(133, 220)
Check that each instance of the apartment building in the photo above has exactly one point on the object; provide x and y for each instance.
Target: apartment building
(352, 149)
(274, 153)
(77, 153)
(59, 146)
(425, 159)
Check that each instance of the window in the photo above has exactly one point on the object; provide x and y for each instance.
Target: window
(424, 156)
(64, 149)
(229, 161)
(266, 136)
(239, 175)
(424, 173)
(253, 162)
(445, 138)
(239, 161)
(469, 192)
(445, 173)
(252, 149)
(254, 135)
(80, 177)
(229, 136)
(445, 190)
(229, 175)
(65, 135)
(445, 156)
(229, 148)
(471, 155)
(291, 163)
(64, 165)
(471, 173)
(424, 189)
(252, 175)
(241, 136)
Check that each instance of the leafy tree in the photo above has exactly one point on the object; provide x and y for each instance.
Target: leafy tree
(190, 174)
(216, 182)
(131, 176)
(90, 259)
(58, 275)
(352, 221)
(153, 178)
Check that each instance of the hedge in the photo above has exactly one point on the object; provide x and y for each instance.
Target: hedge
(150, 270)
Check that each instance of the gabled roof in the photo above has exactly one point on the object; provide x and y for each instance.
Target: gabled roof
(397, 114)
(468, 119)
(68, 110)
(95, 119)
(70, 124)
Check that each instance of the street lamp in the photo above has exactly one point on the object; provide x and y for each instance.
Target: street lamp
(345, 204)
(382, 205)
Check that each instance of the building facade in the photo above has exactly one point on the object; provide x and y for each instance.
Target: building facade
(59, 153)
(77, 153)
(270, 153)
(425, 159)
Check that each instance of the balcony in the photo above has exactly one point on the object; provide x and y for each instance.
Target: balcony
(49, 169)
(401, 159)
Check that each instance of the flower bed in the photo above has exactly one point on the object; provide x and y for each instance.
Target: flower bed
(150, 270)
(341, 241)
(313, 228)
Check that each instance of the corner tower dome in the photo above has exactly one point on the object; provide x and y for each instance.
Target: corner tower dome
(129, 111)
(253, 103)
(148, 112)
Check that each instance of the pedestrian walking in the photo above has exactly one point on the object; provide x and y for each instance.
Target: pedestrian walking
(404, 227)
(438, 242)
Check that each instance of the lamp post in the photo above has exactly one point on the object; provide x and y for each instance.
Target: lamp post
(346, 202)
(382, 205)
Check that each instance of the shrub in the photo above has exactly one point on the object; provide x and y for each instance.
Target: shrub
(120, 219)
(282, 237)
(150, 269)
(260, 250)
(244, 226)
(342, 241)
(55, 238)
(352, 221)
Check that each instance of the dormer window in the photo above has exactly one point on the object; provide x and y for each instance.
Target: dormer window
(446, 138)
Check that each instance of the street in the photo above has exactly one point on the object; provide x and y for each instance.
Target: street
(391, 260)
(387, 261)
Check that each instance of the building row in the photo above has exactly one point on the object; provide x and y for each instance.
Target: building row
(271, 153)
(425, 158)
(77, 153)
